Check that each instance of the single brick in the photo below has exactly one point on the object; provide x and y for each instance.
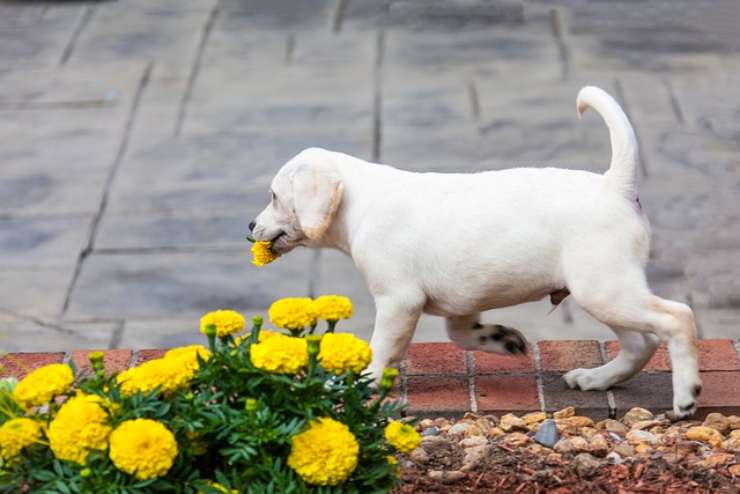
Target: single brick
(437, 395)
(653, 391)
(720, 393)
(494, 363)
(557, 395)
(18, 365)
(503, 394)
(114, 360)
(444, 359)
(714, 355)
(565, 355)
(148, 354)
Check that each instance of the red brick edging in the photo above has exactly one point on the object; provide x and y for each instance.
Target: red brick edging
(441, 379)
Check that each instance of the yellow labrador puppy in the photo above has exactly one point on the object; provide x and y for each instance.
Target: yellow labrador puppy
(510, 236)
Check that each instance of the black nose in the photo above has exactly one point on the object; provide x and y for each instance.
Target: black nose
(251, 226)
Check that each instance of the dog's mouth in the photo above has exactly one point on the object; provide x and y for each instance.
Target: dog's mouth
(276, 239)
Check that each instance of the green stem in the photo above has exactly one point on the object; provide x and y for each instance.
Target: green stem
(256, 327)
(211, 335)
(332, 325)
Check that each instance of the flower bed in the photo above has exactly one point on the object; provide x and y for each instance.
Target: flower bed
(258, 412)
(565, 453)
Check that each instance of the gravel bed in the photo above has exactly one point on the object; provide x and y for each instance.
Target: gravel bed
(567, 453)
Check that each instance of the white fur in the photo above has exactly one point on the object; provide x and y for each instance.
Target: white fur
(457, 244)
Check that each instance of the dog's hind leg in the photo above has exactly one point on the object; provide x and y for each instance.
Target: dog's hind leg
(635, 350)
(623, 300)
(467, 332)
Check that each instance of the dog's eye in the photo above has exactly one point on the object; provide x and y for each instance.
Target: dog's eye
(274, 197)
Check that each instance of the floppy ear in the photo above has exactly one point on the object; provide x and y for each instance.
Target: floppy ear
(317, 192)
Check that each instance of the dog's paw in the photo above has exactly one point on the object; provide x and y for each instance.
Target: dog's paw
(587, 380)
(684, 404)
(495, 338)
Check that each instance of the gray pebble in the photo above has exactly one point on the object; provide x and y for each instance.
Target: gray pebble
(547, 434)
(614, 458)
(431, 431)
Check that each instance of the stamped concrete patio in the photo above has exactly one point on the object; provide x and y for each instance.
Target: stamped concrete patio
(138, 138)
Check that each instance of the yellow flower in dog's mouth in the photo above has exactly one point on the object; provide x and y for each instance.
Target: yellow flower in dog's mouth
(262, 253)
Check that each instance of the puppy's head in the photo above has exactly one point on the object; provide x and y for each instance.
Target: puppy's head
(305, 196)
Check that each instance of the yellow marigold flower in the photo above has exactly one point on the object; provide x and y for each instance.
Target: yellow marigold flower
(16, 434)
(143, 448)
(342, 352)
(167, 374)
(226, 321)
(41, 385)
(293, 313)
(262, 253)
(325, 453)
(280, 353)
(79, 426)
(402, 436)
(333, 307)
(188, 355)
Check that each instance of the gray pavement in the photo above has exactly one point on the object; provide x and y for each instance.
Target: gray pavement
(137, 139)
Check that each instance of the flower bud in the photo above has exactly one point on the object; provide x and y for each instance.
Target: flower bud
(256, 327)
(250, 405)
(96, 359)
(210, 330)
(389, 377)
(85, 472)
(313, 342)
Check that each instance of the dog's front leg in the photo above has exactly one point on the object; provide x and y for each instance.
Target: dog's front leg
(395, 321)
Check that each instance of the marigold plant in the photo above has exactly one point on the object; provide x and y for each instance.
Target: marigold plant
(80, 426)
(143, 448)
(293, 313)
(325, 453)
(333, 307)
(402, 436)
(262, 412)
(344, 352)
(225, 322)
(16, 434)
(43, 384)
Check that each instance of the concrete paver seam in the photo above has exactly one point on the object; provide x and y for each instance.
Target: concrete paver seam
(136, 100)
(377, 136)
(538, 373)
(195, 68)
(81, 25)
(470, 368)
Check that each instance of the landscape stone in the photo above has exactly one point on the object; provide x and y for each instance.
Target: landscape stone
(635, 415)
(547, 434)
(718, 422)
(586, 464)
(705, 434)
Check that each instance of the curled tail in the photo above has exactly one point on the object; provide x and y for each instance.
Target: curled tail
(622, 171)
